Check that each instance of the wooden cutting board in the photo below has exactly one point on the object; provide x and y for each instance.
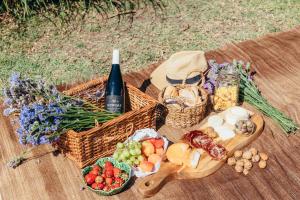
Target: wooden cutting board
(150, 185)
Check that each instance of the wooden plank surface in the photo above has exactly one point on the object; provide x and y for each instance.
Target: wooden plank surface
(276, 58)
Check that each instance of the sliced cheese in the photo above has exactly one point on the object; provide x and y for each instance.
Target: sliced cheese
(193, 159)
(225, 132)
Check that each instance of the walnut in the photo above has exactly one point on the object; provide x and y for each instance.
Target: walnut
(238, 154)
(246, 172)
(255, 158)
(247, 164)
(240, 163)
(253, 151)
(231, 161)
(262, 164)
(238, 168)
(247, 155)
(263, 156)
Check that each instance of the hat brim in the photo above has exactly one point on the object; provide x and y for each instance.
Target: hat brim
(158, 77)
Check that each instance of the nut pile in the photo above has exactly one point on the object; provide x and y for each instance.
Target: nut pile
(246, 127)
(243, 160)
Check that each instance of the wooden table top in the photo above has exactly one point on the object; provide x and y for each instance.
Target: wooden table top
(276, 59)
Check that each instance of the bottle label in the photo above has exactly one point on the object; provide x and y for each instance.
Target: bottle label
(114, 103)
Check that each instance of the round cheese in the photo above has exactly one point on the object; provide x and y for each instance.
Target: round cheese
(231, 119)
(239, 112)
(215, 121)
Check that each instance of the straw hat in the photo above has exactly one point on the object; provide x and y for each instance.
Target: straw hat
(181, 65)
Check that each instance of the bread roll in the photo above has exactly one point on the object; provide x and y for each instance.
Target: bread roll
(170, 92)
(195, 90)
(189, 96)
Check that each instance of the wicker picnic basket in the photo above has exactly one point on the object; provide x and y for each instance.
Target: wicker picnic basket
(88, 146)
(187, 116)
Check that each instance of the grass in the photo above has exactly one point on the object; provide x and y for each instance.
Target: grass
(83, 50)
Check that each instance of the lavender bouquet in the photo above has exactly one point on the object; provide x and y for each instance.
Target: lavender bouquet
(45, 113)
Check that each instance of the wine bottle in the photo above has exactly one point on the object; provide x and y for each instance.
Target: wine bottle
(114, 93)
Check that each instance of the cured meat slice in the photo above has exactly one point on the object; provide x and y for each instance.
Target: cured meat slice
(217, 151)
(198, 139)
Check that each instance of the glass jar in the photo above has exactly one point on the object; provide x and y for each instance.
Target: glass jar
(226, 91)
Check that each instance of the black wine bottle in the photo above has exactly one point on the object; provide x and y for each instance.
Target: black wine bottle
(114, 93)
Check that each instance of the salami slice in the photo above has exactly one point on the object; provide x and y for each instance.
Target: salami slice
(198, 139)
(217, 151)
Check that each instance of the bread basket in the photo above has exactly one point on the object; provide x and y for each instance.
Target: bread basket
(184, 117)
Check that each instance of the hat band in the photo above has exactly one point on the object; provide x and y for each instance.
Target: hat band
(192, 80)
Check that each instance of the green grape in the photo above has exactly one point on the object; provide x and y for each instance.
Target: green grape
(140, 158)
(129, 162)
(119, 151)
(138, 151)
(131, 145)
(122, 157)
(116, 155)
(126, 153)
(136, 162)
(132, 152)
(120, 145)
(132, 159)
(139, 145)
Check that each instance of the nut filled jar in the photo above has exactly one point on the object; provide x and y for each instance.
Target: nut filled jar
(227, 90)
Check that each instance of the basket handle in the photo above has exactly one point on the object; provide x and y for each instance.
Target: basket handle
(202, 77)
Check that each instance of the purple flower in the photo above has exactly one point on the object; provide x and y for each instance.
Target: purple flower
(8, 111)
(209, 87)
(14, 79)
(37, 121)
(7, 101)
(44, 140)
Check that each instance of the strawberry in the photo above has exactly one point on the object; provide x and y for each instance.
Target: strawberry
(109, 168)
(90, 178)
(103, 175)
(106, 188)
(117, 185)
(119, 180)
(100, 186)
(113, 187)
(108, 181)
(109, 173)
(108, 165)
(95, 186)
(99, 179)
(117, 172)
(97, 167)
(95, 172)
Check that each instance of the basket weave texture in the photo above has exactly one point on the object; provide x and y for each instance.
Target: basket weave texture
(88, 146)
(188, 116)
